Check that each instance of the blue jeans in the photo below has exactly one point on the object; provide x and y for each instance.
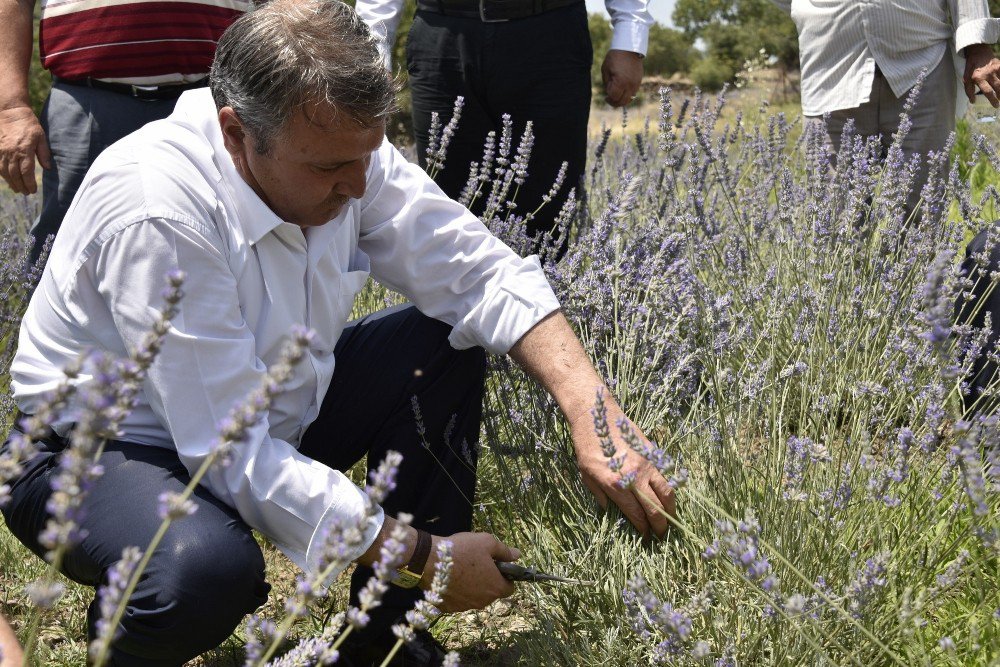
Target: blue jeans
(209, 571)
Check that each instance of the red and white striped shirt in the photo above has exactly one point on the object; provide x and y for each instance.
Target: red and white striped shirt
(132, 41)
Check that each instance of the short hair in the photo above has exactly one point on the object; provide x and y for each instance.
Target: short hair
(288, 53)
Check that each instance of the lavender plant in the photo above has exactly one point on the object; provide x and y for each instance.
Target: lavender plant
(763, 307)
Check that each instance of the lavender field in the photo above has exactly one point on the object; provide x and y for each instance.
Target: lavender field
(786, 335)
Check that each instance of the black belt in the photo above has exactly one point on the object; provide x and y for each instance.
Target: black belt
(492, 11)
(147, 93)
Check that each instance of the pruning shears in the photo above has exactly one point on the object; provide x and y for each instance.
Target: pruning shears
(515, 572)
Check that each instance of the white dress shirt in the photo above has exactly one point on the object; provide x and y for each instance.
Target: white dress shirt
(169, 196)
(842, 41)
(630, 21)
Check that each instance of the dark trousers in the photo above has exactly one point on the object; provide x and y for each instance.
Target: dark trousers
(535, 68)
(79, 123)
(986, 300)
(209, 571)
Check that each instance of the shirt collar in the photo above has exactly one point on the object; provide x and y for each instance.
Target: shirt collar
(254, 216)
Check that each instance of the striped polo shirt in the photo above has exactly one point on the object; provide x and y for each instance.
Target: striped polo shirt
(132, 41)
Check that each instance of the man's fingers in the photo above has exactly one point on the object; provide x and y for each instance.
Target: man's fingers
(595, 488)
(630, 90)
(12, 174)
(970, 89)
(664, 494)
(615, 91)
(989, 92)
(501, 551)
(633, 510)
(43, 152)
(655, 512)
(27, 168)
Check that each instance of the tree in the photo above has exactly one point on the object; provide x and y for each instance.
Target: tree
(735, 31)
(600, 37)
(669, 51)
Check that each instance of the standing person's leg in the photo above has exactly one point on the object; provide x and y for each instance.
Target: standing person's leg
(864, 118)
(539, 70)
(985, 302)
(205, 576)
(388, 365)
(830, 130)
(932, 120)
(443, 61)
(79, 123)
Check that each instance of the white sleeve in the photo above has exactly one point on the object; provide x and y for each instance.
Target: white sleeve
(383, 17)
(208, 364)
(973, 24)
(630, 21)
(438, 254)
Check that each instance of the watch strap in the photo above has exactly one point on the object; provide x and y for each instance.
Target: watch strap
(418, 561)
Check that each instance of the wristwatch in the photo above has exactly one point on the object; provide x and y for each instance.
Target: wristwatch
(408, 576)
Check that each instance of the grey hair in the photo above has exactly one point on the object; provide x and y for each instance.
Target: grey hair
(288, 53)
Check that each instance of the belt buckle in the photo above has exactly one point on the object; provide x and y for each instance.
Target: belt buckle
(144, 93)
(482, 14)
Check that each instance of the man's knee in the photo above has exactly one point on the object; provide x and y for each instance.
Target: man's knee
(197, 589)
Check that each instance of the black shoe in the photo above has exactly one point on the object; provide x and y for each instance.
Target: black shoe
(423, 651)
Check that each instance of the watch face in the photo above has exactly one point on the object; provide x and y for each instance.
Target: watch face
(406, 579)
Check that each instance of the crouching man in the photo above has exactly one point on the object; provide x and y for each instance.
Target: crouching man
(277, 194)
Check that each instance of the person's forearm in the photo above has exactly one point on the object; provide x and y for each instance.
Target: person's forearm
(15, 56)
(552, 353)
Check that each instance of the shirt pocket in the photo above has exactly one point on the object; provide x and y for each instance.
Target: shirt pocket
(353, 281)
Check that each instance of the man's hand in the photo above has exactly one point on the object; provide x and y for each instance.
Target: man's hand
(622, 74)
(21, 141)
(553, 355)
(475, 580)
(649, 500)
(982, 71)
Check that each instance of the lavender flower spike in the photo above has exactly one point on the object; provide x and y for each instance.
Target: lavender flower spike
(110, 596)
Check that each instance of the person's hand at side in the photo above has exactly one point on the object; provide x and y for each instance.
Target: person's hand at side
(622, 74)
(475, 581)
(982, 71)
(21, 142)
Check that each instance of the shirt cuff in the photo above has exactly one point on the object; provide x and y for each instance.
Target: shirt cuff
(630, 36)
(508, 310)
(345, 512)
(977, 31)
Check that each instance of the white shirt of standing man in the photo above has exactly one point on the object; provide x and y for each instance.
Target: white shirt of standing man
(842, 42)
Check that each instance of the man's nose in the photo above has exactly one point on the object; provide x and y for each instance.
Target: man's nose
(352, 180)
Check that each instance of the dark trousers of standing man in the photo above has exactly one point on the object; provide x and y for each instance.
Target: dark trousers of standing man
(985, 303)
(209, 571)
(534, 68)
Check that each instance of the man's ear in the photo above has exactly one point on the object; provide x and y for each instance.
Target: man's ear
(233, 135)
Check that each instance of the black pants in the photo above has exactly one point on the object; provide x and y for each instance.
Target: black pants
(209, 571)
(974, 312)
(535, 68)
